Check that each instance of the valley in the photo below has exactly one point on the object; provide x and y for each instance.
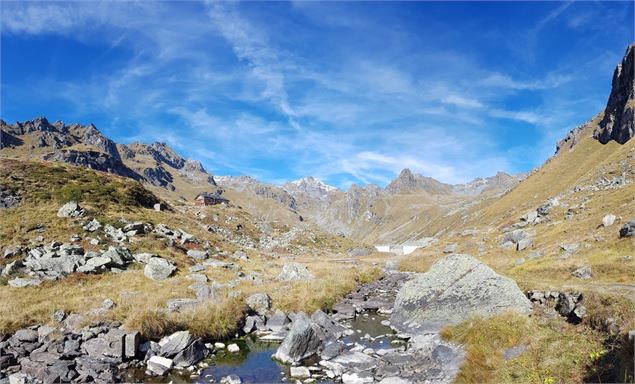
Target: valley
(127, 262)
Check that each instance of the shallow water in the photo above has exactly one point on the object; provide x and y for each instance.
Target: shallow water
(370, 323)
(253, 364)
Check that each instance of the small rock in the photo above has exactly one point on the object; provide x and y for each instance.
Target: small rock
(179, 305)
(300, 372)
(628, 229)
(219, 345)
(294, 271)
(70, 209)
(21, 283)
(108, 304)
(259, 303)
(450, 248)
(233, 348)
(608, 220)
(524, 243)
(159, 365)
(198, 255)
(92, 226)
(231, 379)
(583, 272)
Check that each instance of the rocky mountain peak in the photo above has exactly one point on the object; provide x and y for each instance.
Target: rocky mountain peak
(408, 182)
(168, 155)
(619, 116)
(311, 186)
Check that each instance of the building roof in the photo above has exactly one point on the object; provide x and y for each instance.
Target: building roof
(210, 196)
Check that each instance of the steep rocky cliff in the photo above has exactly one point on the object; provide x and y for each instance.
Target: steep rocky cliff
(619, 116)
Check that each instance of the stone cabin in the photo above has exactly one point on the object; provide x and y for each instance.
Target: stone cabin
(210, 199)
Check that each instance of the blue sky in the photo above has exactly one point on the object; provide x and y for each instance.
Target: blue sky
(347, 92)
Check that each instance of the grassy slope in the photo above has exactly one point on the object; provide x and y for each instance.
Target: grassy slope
(140, 299)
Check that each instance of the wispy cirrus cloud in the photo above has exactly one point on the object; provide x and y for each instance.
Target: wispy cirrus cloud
(347, 92)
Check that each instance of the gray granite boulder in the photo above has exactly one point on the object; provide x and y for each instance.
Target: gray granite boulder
(259, 303)
(301, 342)
(159, 268)
(294, 271)
(455, 288)
(70, 209)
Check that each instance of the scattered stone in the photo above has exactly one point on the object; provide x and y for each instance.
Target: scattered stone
(159, 269)
(159, 365)
(300, 372)
(513, 352)
(515, 236)
(19, 282)
(524, 243)
(537, 254)
(108, 304)
(179, 305)
(608, 220)
(569, 249)
(240, 255)
(219, 345)
(259, 303)
(231, 379)
(92, 226)
(203, 292)
(58, 316)
(450, 248)
(357, 378)
(70, 209)
(628, 229)
(294, 271)
(233, 348)
(583, 272)
(198, 255)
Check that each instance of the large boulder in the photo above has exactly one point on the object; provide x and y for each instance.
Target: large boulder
(158, 269)
(70, 209)
(294, 271)
(301, 342)
(455, 288)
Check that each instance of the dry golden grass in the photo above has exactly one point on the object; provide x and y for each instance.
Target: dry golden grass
(557, 352)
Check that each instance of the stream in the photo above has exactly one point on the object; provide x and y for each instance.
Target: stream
(365, 314)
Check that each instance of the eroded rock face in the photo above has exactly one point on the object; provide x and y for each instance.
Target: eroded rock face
(455, 288)
(619, 116)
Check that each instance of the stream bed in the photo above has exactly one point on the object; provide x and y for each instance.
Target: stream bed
(253, 363)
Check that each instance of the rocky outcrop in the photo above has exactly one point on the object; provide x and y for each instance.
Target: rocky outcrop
(98, 161)
(86, 146)
(455, 288)
(619, 116)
